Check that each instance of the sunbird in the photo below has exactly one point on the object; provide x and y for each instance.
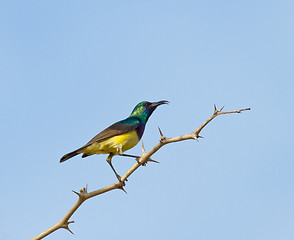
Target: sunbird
(120, 136)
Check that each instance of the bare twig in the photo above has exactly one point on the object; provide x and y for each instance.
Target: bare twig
(145, 157)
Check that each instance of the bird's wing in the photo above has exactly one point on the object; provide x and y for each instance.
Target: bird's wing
(115, 129)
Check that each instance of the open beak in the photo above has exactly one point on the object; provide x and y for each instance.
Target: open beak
(156, 104)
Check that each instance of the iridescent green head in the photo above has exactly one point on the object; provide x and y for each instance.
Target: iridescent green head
(145, 109)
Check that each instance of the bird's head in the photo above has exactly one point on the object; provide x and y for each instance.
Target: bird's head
(145, 109)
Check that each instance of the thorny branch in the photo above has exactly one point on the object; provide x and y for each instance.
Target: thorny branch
(145, 157)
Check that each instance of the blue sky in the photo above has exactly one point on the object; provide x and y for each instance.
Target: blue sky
(69, 69)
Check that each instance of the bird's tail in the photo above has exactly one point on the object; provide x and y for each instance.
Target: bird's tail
(69, 155)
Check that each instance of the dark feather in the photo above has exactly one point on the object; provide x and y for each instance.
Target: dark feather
(115, 129)
(68, 156)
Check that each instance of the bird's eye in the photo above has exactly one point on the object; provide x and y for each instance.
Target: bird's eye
(144, 104)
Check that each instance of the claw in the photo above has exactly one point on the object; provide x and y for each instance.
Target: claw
(76, 193)
(137, 159)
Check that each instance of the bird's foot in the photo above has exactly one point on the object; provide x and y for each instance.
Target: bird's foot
(119, 178)
(137, 159)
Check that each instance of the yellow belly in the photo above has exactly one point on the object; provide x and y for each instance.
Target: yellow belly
(113, 145)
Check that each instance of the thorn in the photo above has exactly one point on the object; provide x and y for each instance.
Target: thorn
(121, 188)
(67, 228)
(143, 148)
(163, 138)
(160, 132)
(200, 136)
(195, 136)
(138, 158)
(151, 160)
(221, 108)
(215, 108)
(76, 193)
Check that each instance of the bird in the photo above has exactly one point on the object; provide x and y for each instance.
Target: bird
(120, 136)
